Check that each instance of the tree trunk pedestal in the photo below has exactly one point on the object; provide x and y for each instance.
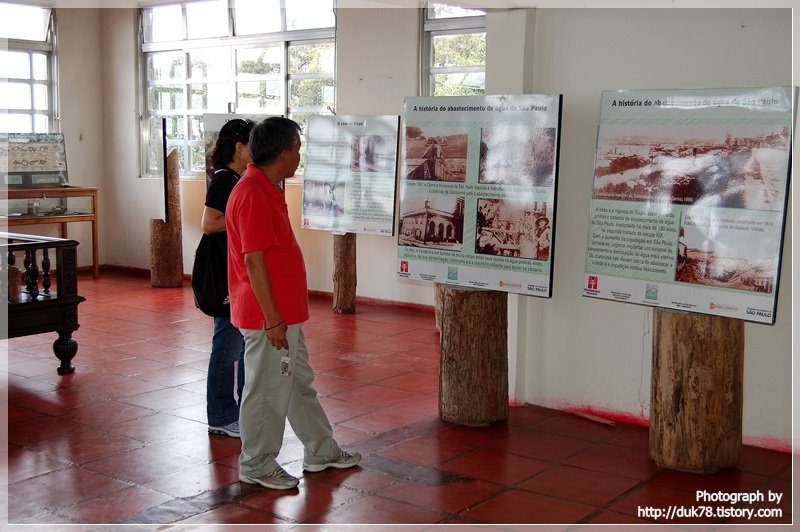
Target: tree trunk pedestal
(166, 238)
(344, 276)
(473, 375)
(696, 391)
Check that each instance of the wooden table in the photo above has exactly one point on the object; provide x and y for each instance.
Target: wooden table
(49, 192)
(33, 308)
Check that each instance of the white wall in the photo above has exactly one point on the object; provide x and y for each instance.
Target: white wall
(581, 353)
(567, 351)
(130, 202)
(79, 61)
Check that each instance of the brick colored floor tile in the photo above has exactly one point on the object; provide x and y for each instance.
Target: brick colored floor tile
(124, 439)
(517, 506)
(579, 485)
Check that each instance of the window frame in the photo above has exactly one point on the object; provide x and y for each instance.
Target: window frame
(437, 27)
(48, 47)
(285, 38)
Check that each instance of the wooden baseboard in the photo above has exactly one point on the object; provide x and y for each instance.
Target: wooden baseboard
(378, 302)
(315, 293)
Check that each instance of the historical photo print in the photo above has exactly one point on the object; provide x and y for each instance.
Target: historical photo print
(432, 221)
(323, 198)
(726, 253)
(436, 154)
(711, 166)
(516, 154)
(513, 229)
(373, 153)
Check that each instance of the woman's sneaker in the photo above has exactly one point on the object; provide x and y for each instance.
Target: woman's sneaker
(278, 479)
(231, 430)
(343, 461)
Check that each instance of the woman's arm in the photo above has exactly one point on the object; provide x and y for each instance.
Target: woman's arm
(213, 221)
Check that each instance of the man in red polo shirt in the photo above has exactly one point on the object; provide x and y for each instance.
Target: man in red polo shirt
(269, 303)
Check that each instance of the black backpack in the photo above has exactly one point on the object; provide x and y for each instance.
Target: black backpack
(210, 275)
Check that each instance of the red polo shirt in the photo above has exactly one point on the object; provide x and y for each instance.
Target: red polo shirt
(257, 218)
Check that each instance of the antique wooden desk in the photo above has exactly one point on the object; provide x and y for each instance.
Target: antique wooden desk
(33, 307)
(63, 218)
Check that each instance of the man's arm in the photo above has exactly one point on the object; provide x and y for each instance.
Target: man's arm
(259, 281)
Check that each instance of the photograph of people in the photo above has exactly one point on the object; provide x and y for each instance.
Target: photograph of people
(513, 229)
(320, 198)
(436, 154)
(517, 155)
(542, 235)
(731, 255)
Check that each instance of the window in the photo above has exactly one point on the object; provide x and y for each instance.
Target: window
(27, 88)
(249, 57)
(454, 51)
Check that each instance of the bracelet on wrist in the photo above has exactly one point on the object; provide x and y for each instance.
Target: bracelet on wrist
(270, 328)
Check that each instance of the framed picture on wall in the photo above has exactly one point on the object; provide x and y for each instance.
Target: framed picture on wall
(350, 174)
(689, 199)
(478, 191)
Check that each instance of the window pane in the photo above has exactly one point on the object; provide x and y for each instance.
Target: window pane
(163, 23)
(209, 96)
(41, 124)
(198, 158)
(445, 11)
(210, 63)
(15, 95)
(455, 50)
(196, 130)
(40, 101)
(14, 64)
(176, 128)
(257, 62)
(251, 77)
(256, 16)
(154, 155)
(24, 22)
(459, 84)
(302, 119)
(166, 66)
(259, 96)
(306, 14)
(15, 123)
(207, 19)
(167, 98)
(198, 96)
(312, 58)
(311, 92)
(40, 67)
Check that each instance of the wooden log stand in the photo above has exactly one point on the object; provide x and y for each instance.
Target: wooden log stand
(344, 273)
(166, 238)
(696, 395)
(473, 377)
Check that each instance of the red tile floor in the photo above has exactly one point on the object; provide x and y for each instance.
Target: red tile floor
(123, 439)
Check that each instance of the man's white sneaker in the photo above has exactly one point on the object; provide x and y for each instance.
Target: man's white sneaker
(278, 479)
(343, 461)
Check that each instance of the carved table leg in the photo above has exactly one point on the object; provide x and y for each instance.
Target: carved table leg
(65, 349)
